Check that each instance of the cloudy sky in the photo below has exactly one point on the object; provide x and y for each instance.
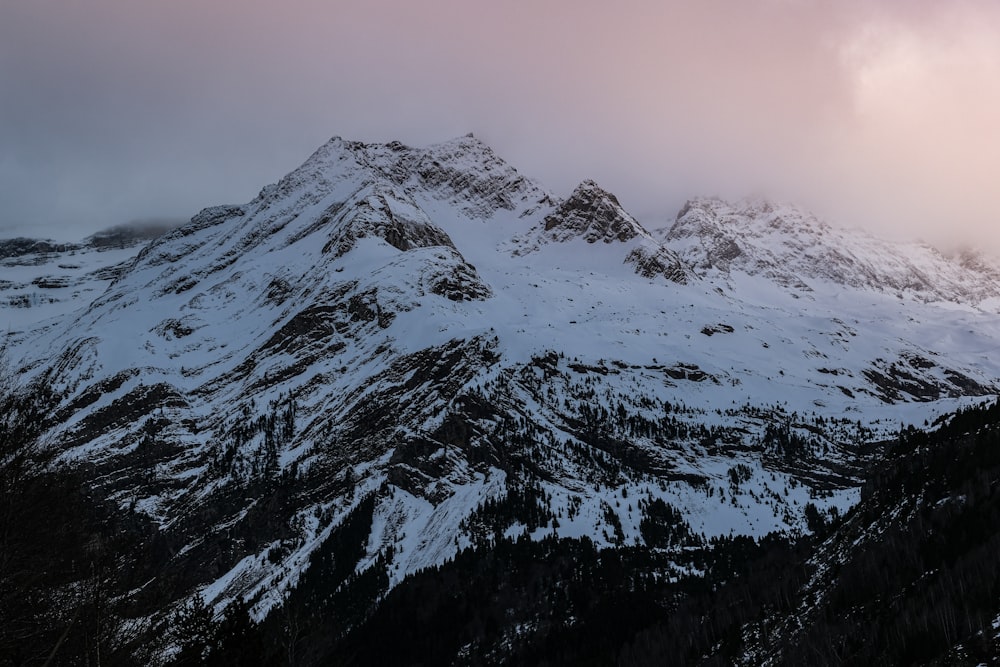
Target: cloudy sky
(876, 113)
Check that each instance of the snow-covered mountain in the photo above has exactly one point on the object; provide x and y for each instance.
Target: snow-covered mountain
(428, 330)
(795, 249)
(43, 279)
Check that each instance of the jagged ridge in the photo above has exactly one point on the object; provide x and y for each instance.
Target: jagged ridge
(795, 249)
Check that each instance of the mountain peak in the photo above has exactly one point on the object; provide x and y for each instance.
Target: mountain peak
(594, 214)
(794, 248)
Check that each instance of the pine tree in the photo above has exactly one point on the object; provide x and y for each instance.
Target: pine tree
(192, 629)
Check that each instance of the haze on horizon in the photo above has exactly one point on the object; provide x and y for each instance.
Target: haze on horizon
(879, 114)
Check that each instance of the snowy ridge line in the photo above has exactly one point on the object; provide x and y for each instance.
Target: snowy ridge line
(429, 326)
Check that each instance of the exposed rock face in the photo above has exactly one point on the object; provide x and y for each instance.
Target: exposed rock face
(21, 246)
(595, 216)
(387, 215)
(592, 214)
(657, 261)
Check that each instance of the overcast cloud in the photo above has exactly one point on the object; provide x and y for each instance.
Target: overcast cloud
(876, 114)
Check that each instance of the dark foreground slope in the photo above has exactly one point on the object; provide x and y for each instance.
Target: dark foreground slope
(911, 576)
(68, 558)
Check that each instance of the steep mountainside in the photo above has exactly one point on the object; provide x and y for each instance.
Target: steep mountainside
(411, 352)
